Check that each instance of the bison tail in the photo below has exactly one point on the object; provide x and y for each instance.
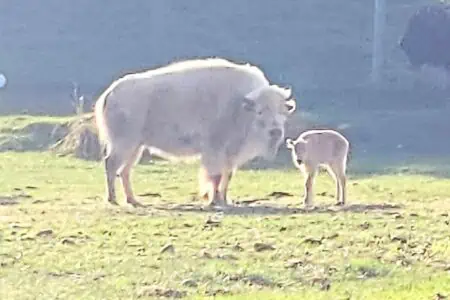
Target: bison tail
(100, 120)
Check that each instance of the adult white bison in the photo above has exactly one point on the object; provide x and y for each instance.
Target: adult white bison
(225, 112)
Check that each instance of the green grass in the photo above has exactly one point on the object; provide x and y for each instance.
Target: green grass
(391, 242)
(12, 123)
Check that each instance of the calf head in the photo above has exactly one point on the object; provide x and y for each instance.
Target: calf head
(298, 149)
(269, 106)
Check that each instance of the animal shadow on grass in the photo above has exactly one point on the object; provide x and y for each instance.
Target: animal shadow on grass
(9, 200)
(254, 206)
(273, 209)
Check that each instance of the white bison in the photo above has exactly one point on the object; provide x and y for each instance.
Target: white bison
(224, 112)
(315, 148)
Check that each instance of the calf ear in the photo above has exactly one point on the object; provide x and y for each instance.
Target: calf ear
(289, 143)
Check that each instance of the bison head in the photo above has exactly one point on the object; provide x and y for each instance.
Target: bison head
(270, 106)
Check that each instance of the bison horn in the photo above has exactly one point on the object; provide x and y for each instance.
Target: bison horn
(289, 143)
(290, 105)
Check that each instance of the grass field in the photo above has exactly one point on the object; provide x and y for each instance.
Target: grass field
(59, 240)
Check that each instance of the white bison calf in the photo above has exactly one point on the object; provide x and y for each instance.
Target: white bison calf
(224, 112)
(315, 148)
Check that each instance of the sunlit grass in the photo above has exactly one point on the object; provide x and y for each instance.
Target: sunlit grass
(60, 240)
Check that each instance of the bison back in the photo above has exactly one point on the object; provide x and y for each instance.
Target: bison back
(175, 110)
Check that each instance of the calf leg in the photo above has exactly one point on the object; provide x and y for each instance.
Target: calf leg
(343, 180)
(339, 175)
(332, 171)
(310, 174)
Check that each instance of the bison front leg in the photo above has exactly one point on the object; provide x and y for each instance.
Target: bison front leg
(203, 183)
(214, 196)
(209, 187)
(210, 191)
(223, 187)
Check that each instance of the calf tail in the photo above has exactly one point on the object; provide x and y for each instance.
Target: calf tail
(349, 154)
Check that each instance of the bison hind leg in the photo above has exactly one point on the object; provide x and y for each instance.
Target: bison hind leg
(125, 176)
(119, 162)
(112, 165)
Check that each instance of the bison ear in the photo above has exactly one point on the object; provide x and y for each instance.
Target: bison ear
(288, 92)
(289, 103)
(248, 104)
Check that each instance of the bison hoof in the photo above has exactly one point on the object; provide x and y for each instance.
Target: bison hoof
(213, 204)
(309, 206)
(340, 203)
(218, 204)
(112, 201)
(134, 203)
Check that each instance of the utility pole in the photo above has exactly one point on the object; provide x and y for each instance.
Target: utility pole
(379, 20)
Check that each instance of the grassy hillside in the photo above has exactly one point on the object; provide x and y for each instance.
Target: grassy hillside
(372, 150)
